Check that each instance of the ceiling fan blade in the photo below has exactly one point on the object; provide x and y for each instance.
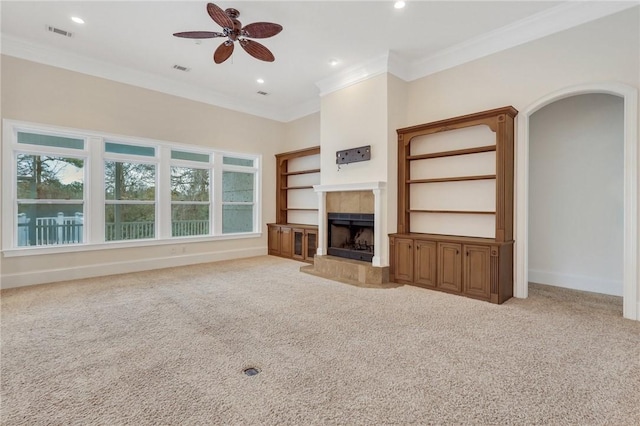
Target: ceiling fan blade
(218, 15)
(261, 30)
(257, 50)
(223, 52)
(198, 34)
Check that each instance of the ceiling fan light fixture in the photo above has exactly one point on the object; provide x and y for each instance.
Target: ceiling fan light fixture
(233, 30)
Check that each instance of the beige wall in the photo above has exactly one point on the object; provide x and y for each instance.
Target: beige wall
(397, 98)
(603, 50)
(366, 113)
(48, 95)
(606, 50)
(302, 133)
(353, 117)
(576, 158)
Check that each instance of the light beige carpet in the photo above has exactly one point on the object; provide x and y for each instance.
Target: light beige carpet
(170, 346)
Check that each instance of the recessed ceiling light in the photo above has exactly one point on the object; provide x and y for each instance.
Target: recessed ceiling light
(334, 62)
(77, 20)
(399, 4)
(260, 81)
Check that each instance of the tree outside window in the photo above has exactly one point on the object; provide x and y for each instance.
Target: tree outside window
(50, 192)
(129, 200)
(189, 201)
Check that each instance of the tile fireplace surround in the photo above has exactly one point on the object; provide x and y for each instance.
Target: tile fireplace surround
(351, 198)
(346, 199)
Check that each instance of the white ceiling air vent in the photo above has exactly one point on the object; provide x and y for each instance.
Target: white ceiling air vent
(260, 92)
(59, 31)
(181, 68)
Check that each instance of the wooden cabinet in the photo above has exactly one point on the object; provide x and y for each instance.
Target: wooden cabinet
(403, 259)
(286, 243)
(425, 263)
(305, 243)
(455, 206)
(296, 173)
(280, 240)
(477, 261)
(310, 244)
(274, 239)
(450, 267)
(293, 241)
(480, 268)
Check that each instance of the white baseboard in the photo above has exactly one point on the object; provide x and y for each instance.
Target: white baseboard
(23, 279)
(577, 282)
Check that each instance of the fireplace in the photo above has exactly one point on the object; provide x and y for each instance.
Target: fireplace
(351, 235)
(354, 217)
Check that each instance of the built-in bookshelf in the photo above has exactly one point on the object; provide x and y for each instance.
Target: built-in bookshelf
(455, 205)
(295, 232)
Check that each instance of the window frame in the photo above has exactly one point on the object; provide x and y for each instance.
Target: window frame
(17, 202)
(137, 159)
(240, 169)
(94, 197)
(191, 164)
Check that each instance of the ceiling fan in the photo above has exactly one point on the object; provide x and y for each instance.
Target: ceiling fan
(234, 31)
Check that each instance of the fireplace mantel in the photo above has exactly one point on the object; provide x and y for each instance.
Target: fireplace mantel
(377, 188)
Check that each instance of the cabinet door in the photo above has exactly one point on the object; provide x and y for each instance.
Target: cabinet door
(477, 261)
(286, 242)
(274, 240)
(298, 244)
(403, 260)
(311, 244)
(450, 267)
(425, 263)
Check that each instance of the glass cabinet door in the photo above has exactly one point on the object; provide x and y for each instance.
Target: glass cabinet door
(312, 244)
(298, 243)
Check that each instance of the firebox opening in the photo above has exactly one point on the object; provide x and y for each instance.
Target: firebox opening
(351, 235)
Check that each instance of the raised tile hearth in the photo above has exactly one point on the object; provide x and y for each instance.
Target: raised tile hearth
(349, 271)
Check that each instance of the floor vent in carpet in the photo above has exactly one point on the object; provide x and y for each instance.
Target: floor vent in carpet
(251, 371)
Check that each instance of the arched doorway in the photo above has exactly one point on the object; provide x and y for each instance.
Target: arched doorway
(630, 213)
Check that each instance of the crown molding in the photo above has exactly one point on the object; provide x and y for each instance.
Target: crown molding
(556, 19)
(355, 74)
(19, 48)
(551, 21)
(301, 110)
(559, 18)
(398, 66)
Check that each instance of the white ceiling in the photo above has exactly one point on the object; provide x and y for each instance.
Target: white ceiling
(131, 41)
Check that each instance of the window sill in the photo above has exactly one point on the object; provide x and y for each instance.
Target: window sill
(74, 248)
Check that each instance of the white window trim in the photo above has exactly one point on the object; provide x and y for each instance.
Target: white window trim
(94, 197)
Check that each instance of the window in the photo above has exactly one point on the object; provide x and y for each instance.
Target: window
(49, 183)
(238, 195)
(190, 194)
(130, 193)
(79, 188)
